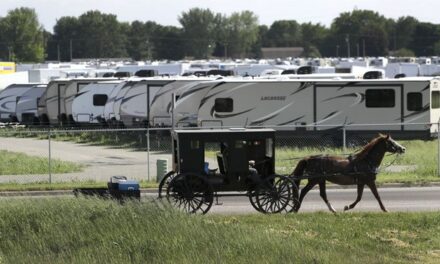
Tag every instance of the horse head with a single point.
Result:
(392, 146)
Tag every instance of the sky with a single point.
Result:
(166, 12)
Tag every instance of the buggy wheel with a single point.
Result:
(273, 194)
(253, 200)
(163, 185)
(293, 204)
(191, 193)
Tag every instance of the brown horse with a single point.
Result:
(360, 169)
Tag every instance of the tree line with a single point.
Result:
(205, 34)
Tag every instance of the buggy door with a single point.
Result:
(191, 155)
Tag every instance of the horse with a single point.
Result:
(358, 169)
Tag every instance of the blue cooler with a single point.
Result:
(128, 185)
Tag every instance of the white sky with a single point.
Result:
(166, 12)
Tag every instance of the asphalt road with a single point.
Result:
(395, 200)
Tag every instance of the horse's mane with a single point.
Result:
(366, 149)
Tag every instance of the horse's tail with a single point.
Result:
(299, 171)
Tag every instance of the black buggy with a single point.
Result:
(211, 163)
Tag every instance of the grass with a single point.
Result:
(13, 163)
(46, 186)
(96, 231)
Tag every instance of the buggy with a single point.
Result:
(211, 163)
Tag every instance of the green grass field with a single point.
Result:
(81, 230)
(13, 163)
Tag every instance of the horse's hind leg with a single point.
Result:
(323, 194)
(305, 190)
(373, 189)
(360, 191)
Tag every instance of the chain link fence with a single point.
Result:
(94, 155)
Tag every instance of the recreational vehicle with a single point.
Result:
(73, 89)
(135, 106)
(315, 105)
(8, 100)
(88, 105)
(161, 105)
(27, 105)
(55, 97)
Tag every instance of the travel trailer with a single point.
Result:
(161, 105)
(88, 105)
(56, 95)
(314, 105)
(27, 105)
(135, 106)
(73, 89)
(8, 100)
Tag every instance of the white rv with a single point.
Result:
(160, 109)
(306, 104)
(73, 89)
(8, 100)
(135, 105)
(88, 105)
(27, 105)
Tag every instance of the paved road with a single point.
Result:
(395, 199)
(100, 162)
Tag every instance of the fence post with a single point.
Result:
(438, 147)
(50, 158)
(344, 138)
(148, 153)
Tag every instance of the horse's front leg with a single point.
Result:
(323, 194)
(360, 191)
(304, 191)
(373, 189)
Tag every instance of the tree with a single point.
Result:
(424, 38)
(199, 27)
(241, 32)
(66, 30)
(22, 36)
(283, 33)
(142, 39)
(168, 43)
(313, 36)
(359, 27)
(404, 32)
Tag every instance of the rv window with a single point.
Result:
(99, 99)
(414, 102)
(224, 105)
(435, 104)
(380, 98)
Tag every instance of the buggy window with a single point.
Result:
(380, 98)
(224, 105)
(269, 147)
(99, 99)
(414, 102)
(195, 144)
(435, 104)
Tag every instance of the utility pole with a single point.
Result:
(357, 49)
(363, 46)
(58, 52)
(337, 51)
(71, 57)
(347, 39)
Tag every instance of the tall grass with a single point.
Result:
(96, 231)
(13, 163)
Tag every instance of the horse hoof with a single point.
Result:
(346, 208)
